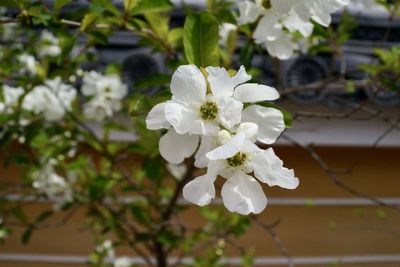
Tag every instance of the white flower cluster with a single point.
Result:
(51, 100)
(49, 45)
(53, 186)
(105, 93)
(107, 250)
(28, 64)
(215, 109)
(10, 97)
(279, 18)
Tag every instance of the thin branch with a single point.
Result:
(275, 238)
(334, 177)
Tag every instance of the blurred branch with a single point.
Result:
(333, 175)
(275, 238)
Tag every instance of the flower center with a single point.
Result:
(209, 111)
(238, 160)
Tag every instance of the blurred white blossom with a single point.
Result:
(51, 100)
(105, 94)
(279, 18)
(10, 96)
(55, 187)
(122, 262)
(48, 45)
(107, 249)
(28, 64)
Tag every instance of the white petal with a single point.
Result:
(229, 149)
(174, 147)
(206, 145)
(208, 128)
(229, 111)
(220, 82)
(293, 23)
(252, 92)
(180, 116)
(201, 190)
(283, 6)
(177, 170)
(241, 193)
(188, 84)
(268, 168)
(269, 120)
(268, 29)
(249, 12)
(156, 120)
(240, 77)
(250, 129)
(281, 48)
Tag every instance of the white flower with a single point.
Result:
(51, 100)
(48, 45)
(11, 96)
(122, 262)
(106, 248)
(235, 160)
(28, 63)
(105, 92)
(55, 187)
(277, 16)
(196, 109)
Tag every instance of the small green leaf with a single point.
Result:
(12, 3)
(175, 37)
(129, 5)
(200, 39)
(26, 236)
(58, 4)
(150, 6)
(107, 5)
(88, 20)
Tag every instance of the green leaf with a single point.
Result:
(26, 236)
(159, 24)
(200, 40)
(149, 6)
(12, 3)
(107, 5)
(129, 5)
(154, 168)
(246, 54)
(175, 37)
(58, 4)
(88, 20)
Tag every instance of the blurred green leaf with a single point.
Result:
(58, 4)
(26, 235)
(88, 20)
(129, 5)
(149, 6)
